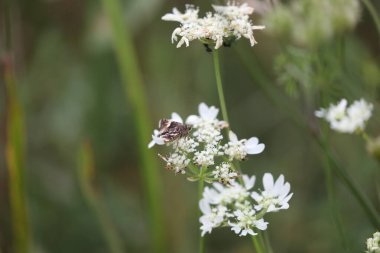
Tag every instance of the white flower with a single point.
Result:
(206, 114)
(177, 162)
(238, 149)
(275, 195)
(231, 206)
(206, 126)
(360, 112)
(224, 173)
(246, 221)
(227, 24)
(347, 120)
(233, 11)
(156, 139)
(211, 218)
(190, 15)
(373, 244)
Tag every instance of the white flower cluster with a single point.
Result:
(373, 244)
(203, 147)
(226, 24)
(347, 119)
(238, 207)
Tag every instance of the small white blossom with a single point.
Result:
(207, 115)
(204, 158)
(190, 15)
(177, 162)
(224, 173)
(156, 139)
(239, 149)
(347, 119)
(212, 217)
(373, 244)
(233, 11)
(246, 220)
(275, 195)
(228, 23)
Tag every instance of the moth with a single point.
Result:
(171, 130)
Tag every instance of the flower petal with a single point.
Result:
(192, 120)
(268, 181)
(232, 136)
(204, 206)
(252, 147)
(176, 117)
(249, 182)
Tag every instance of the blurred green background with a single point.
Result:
(68, 81)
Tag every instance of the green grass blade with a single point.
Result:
(15, 158)
(133, 87)
(86, 175)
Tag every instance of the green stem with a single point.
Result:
(373, 13)
(135, 94)
(332, 200)
(219, 85)
(349, 183)
(257, 244)
(200, 192)
(267, 242)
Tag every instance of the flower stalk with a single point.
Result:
(219, 85)
(200, 192)
(257, 244)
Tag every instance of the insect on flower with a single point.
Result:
(170, 130)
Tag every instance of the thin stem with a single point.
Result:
(332, 200)
(219, 85)
(257, 244)
(267, 242)
(349, 183)
(200, 192)
(135, 95)
(373, 13)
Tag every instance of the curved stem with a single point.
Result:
(360, 197)
(373, 13)
(219, 85)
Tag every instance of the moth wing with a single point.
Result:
(163, 123)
